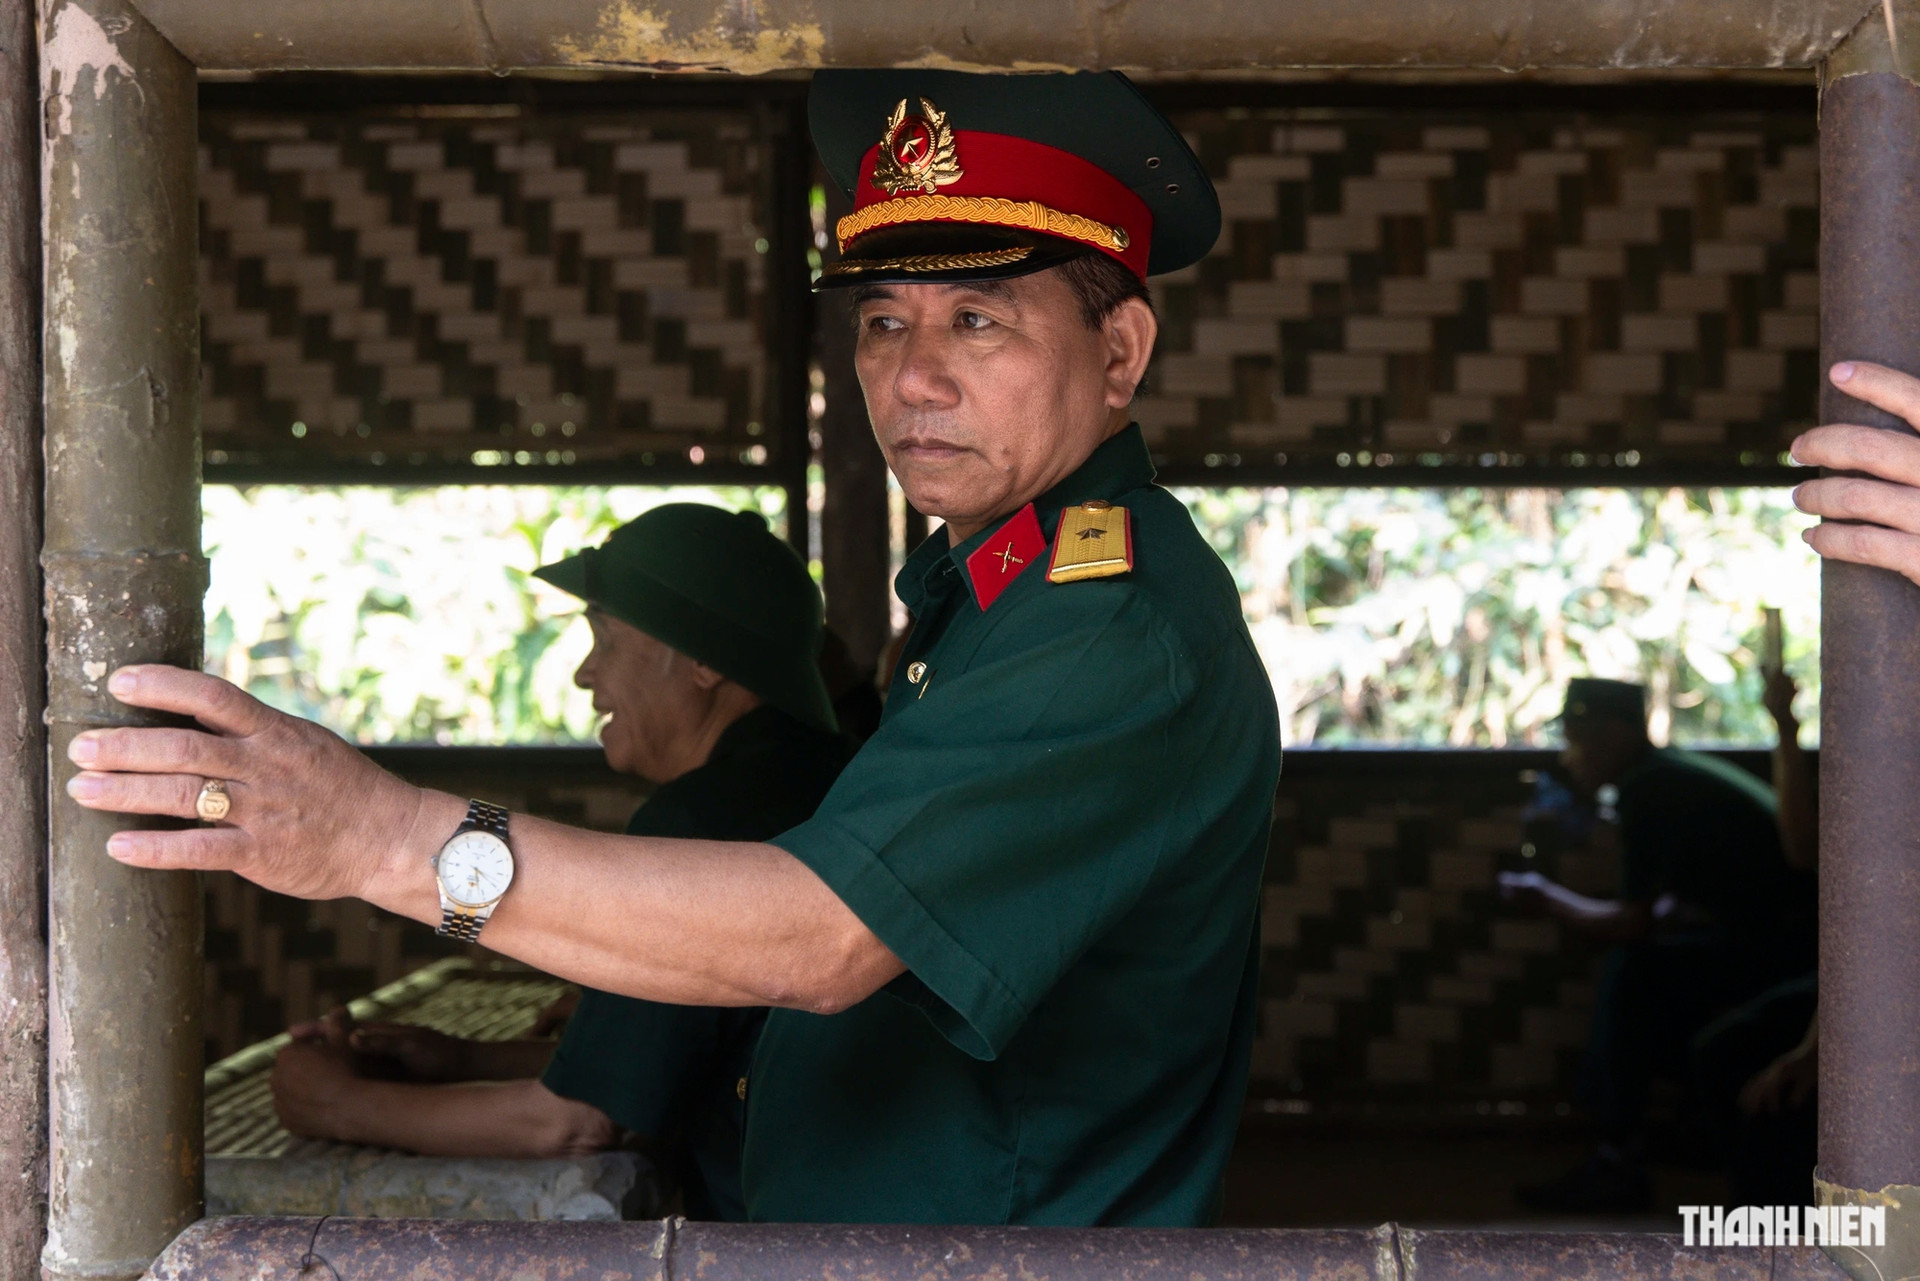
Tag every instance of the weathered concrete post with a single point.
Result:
(124, 581)
(23, 771)
(1870, 672)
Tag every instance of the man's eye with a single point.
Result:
(884, 324)
(972, 320)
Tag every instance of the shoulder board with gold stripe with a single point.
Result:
(1094, 540)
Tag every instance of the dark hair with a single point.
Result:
(1101, 284)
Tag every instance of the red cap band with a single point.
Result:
(1013, 182)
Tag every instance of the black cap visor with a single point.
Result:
(946, 253)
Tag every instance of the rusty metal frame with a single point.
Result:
(370, 1250)
(124, 584)
(124, 579)
(23, 681)
(795, 35)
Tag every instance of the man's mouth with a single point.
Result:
(928, 447)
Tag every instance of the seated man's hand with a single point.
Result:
(426, 1055)
(309, 815)
(1525, 890)
(553, 1020)
(1777, 693)
(1886, 500)
(313, 1080)
(1786, 1082)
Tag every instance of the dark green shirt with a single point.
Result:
(1059, 828)
(673, 1071)
(1708, 833)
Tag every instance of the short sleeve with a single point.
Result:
(995, 827)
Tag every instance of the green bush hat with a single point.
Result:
(720, 588)
(1590, 699)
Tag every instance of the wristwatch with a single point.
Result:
(473, 869)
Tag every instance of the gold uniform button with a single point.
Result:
(916, 672)
(1096, 505)
(740, 1088)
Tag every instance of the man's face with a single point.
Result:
(654, 698)
(984, 396)
(1598, 752)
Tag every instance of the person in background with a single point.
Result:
(1709, 914)
(1755, 1067)
(705, 633)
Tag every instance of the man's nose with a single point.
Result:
(923, 379)
(583, 674)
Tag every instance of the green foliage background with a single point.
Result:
(1456, 617)
(396, 615)
(1408, 616)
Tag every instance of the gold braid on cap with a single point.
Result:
(928, 262)
(1028, 215)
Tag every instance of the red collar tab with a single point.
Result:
(1008, 553)
(923, 170)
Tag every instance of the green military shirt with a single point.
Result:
(1708, 833)
(1059, 828)
(673, 1071)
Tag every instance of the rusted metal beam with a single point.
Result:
(124, 581)
(1204, 35)
(390, 1250)
(1870, 673)
(23, 680)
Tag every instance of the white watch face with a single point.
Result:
(475, 868)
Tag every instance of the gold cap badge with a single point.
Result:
(916, 152)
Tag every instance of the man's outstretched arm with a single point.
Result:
(689, 922)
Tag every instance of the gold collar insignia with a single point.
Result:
(916, 152)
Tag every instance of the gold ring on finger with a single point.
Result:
(213, 802)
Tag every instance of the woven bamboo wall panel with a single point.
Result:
(543, 290)
(1495, 290)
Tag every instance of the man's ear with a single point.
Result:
(705, 677)
(1130, 333)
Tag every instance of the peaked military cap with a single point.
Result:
(958, 176)
(1590, 698)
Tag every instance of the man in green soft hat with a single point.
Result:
(705, 628)
(1013, 956)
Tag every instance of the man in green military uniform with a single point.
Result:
(734, 729)
(1013, 955)
(1710, 913)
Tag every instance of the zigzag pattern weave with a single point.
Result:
(1531, 287)
(1028, 215)
(556, 289)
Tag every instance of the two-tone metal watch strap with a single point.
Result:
(456, 924)
(484, 816)
(459, 923)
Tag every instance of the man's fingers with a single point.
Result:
(1890, 455)
(1851, 498)
(202, 849)
(159, 751)
(217, 704)
(1868, 545)
(1883, 388)
(170, 795)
